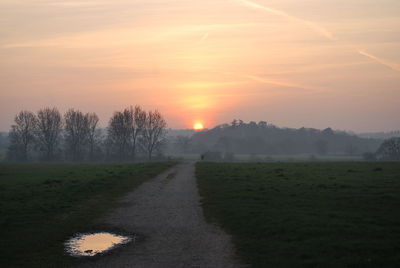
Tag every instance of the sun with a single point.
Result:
(198, 126)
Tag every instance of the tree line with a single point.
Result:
(224, 141)
(261, 138)
(132, 134)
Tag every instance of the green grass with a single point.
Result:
(306, 214)
(41, 205)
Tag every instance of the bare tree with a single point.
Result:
(119, 133)
(22, 135)
(49, 127)
(138, 124)
(92, 121)
(389, 150)
(124, 131)
(76, 133)
(153, 132)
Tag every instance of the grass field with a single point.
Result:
(306, 214)
(43, 204)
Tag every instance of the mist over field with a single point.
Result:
(250, 141)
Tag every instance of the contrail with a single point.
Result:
(315, 27)
(389, 64)
(264, 80)
(318, 29)
(204, 37)
(275, 82)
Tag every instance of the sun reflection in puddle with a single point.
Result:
(94, 243)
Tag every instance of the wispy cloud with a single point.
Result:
(315, 27)
(277, 82)
(391, 65)
(318, 29)
(74, 4)
(204, 37)
(267, 80)
(123, 35)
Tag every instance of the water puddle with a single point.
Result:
(91, 244)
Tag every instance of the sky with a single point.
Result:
(293, 63)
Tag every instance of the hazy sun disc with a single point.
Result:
(198, 126)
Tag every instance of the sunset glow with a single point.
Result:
(198, 126)
(278, 60)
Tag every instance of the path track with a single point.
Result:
(166, 213)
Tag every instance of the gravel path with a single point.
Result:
(165, 212)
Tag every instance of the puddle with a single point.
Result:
(91, 244)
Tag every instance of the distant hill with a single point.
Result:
(380, 135)
(180, 132)
(264, 138)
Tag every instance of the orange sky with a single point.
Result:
(314, 63)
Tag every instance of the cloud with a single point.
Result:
(125, 36)
(318, 29)
(204, 37)
(75, 4)
(276, 82)
(315, 27)
(391, 65)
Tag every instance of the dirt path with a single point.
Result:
(165, 212)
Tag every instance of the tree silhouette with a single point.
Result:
(48, 134)
(138, 124)
(76, 133)
(154, 132)
(22, 135)
(92, 121)
(389, 150)
(119, 133)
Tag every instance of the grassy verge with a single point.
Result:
(43, 204)
(306, 214)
